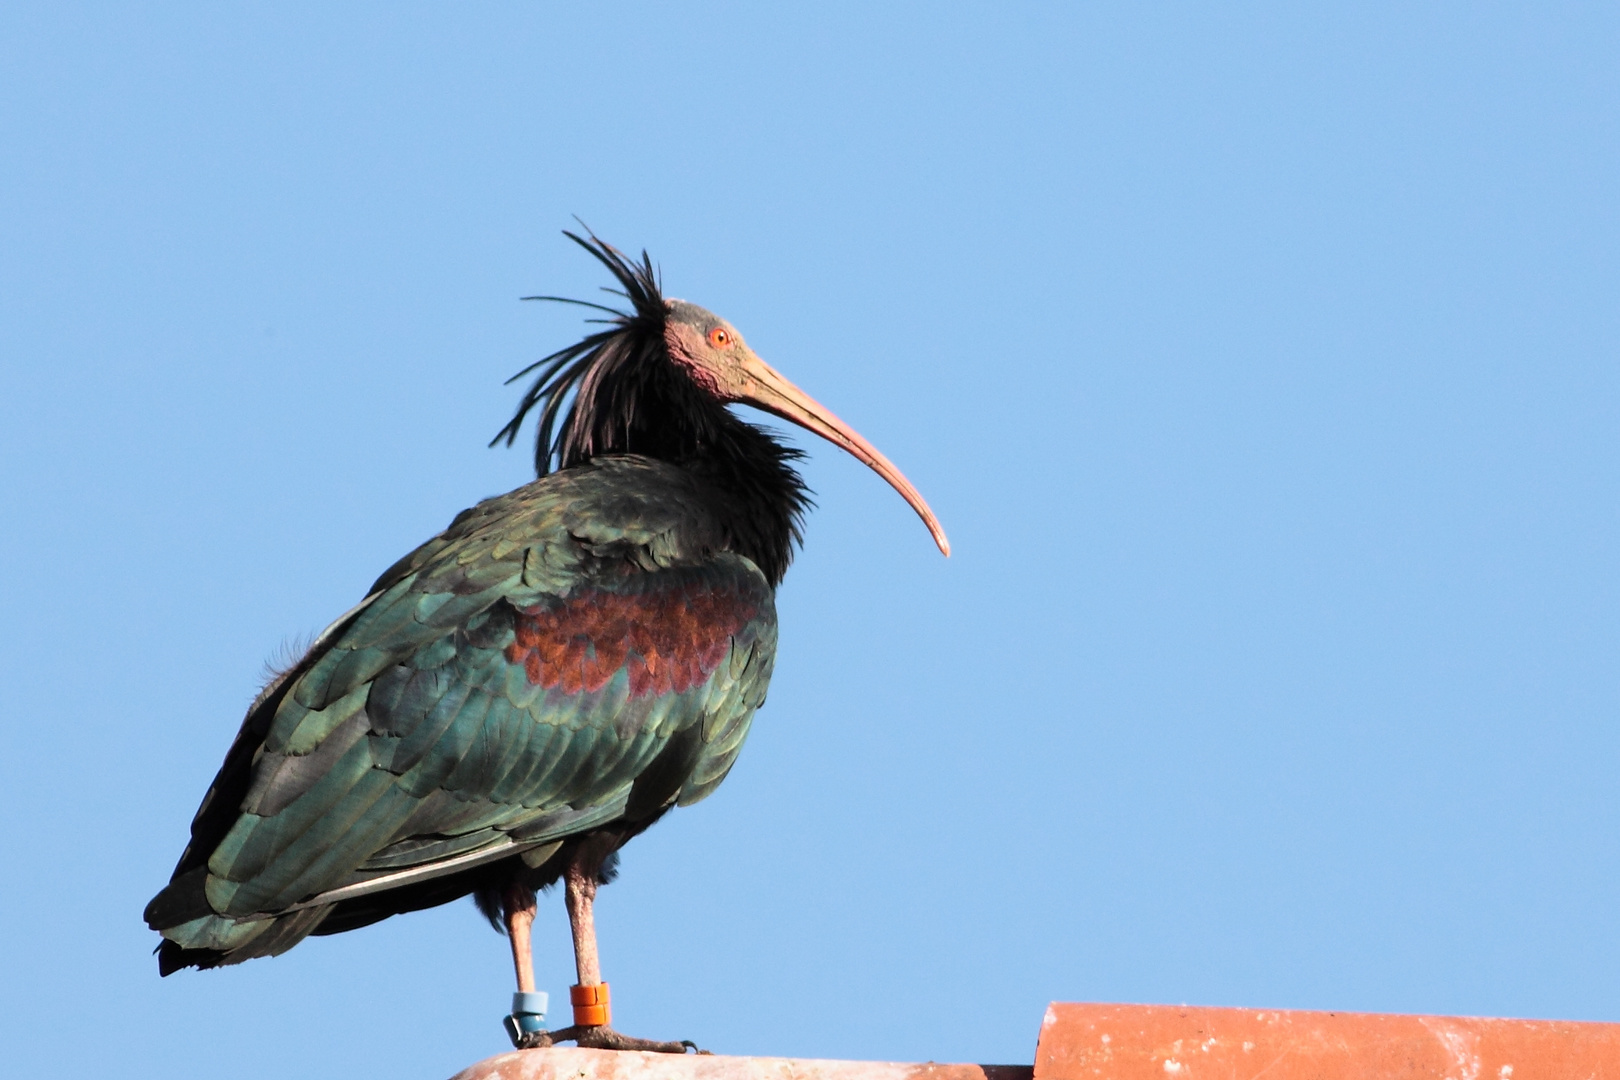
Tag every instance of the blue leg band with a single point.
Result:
(528, 1015)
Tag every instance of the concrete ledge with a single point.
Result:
(1165, 1042)
(566, 1063)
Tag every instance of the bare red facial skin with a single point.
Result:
(686, 345)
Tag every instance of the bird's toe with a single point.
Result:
(605, 1038)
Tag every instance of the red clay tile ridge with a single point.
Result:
(1167, 1042)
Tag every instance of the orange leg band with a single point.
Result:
(592, 1007)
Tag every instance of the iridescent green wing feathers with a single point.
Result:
(579, 651)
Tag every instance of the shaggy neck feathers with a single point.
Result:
(619, 392)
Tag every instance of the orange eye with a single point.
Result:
(719, 338)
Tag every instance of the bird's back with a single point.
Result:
(581, 653)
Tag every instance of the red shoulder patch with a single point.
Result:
(668, 641)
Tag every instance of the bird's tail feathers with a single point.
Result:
(217, 940)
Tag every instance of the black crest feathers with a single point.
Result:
(633, 338)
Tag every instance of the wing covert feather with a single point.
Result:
(507, 683)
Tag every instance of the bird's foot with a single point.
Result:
(526, 1027)
(602, 1037)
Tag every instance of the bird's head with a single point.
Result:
(667, 352)
(715, 356)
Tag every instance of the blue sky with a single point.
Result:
(1259, 358)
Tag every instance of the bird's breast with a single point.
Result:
(665, 640)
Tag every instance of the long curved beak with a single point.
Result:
(765, 388)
